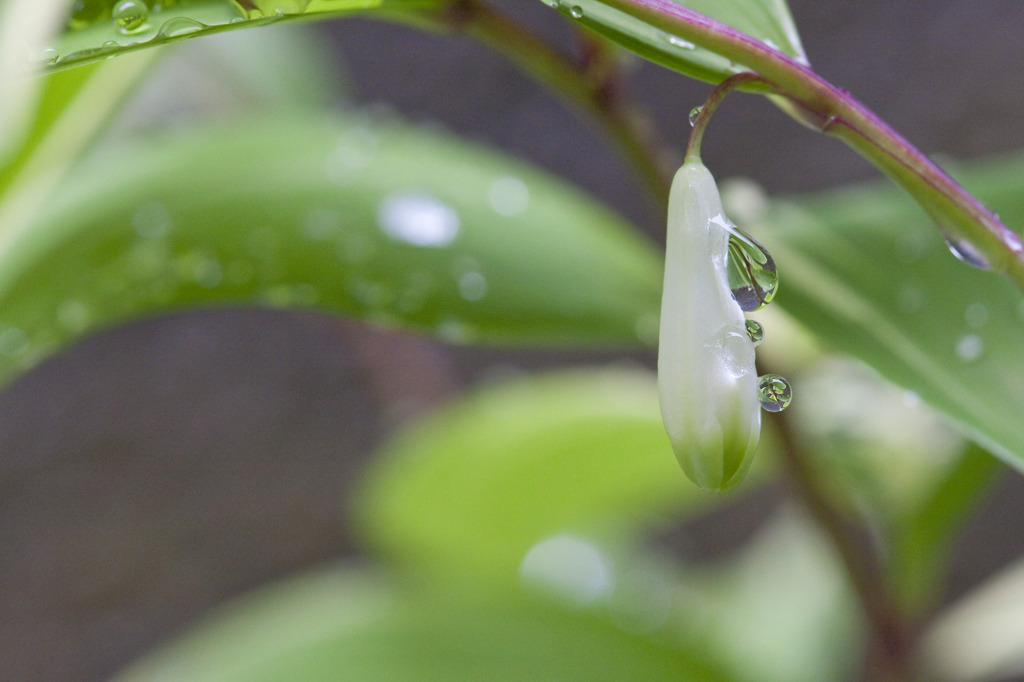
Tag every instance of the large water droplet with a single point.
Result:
(970, 347)
(576, 11)
(509, 196)
(130, 15)
(753, 276)
(472, 286)
(571, 567)
(755, 331)
(694, 113)
(976, 315)
(50, 56)
(967, 253)
(418, 219)
(774, 392)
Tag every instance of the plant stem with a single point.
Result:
(891, 636)
(592, 86)
(818, 103)
(707, 110)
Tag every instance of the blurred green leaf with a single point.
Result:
(384, 222)
(980, 636)
(766, 20)
(344, 625)
(475, 487)
(781, 610)
(863, 270)
(923, 539)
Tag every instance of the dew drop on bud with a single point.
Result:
(774, 392)
(694, 113)
(755, 332)
(576, 11)
(753, 277)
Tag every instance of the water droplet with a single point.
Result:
(694, 113)
(13, 342)
(576, 11)
(321, 224)
(472, 286)
(130, 16)
(679, 42)
(151, 221)
(970, 347)
(753, 276)
(50, 56)
(911, 299)
(418, 219)
(774, 392)
(967, 253)
(179, 26)
(771, 43)
(455, 331)
(976, 315)
(73, 315)
(208, 273)
(280, 7)
(355, 151)
(553, 4)
(755, 331)
(571, 567)
(509, 196)
(1012, 240)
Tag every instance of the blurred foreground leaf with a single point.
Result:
(472, 489)
(345, 625)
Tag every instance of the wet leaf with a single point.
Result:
(346, 624)
(384, 222)
(766, 20)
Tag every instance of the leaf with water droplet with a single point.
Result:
(849, 282)
(765, 20)
(131, 233)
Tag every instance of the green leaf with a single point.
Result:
(474, 487)
(863, 270)
(923, 539)
(95, 31)
(385, 222)
(766, 20)
(343, 624)
(781, 610)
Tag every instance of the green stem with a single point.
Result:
(592, 86)
(833, 111)
(707, 110)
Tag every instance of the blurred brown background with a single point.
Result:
(155, 470)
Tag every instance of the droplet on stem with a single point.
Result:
(694, 113)
(774, 392)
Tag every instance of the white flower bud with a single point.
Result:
(706, 376)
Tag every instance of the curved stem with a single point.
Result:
(707, 110)
(593, 85)
(833, 111)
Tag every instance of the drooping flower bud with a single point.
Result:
(707, 381)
